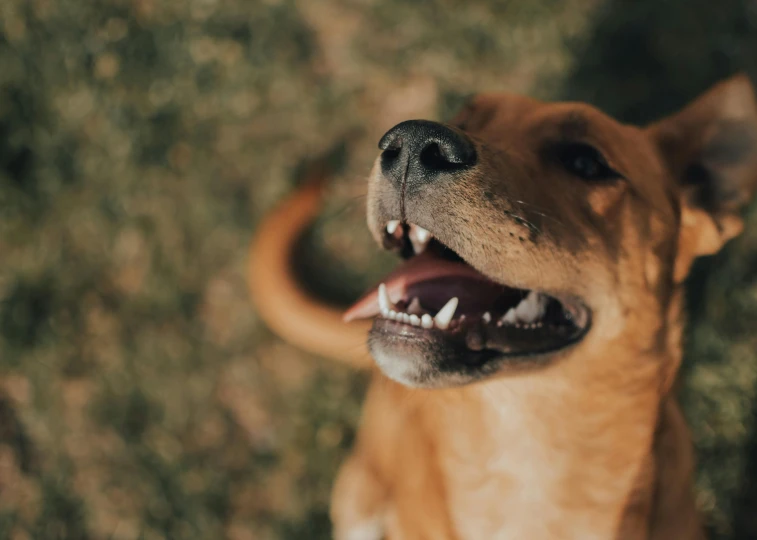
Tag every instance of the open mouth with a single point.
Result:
(435, 296)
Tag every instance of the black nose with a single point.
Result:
(419, 152)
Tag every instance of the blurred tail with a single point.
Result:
(282, 303)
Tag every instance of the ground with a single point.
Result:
(140, 143)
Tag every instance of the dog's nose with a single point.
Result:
(420, 151)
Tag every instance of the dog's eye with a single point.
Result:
(585, 161)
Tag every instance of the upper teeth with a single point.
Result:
(420, 238)
(531, 308)
(509, 317)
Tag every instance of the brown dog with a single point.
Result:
(529, 345)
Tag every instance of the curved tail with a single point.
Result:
(286, 308)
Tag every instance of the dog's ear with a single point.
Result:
(711, 149)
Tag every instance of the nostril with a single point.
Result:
(389, 157)
(432, 158)
(391, 153)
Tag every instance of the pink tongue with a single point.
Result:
(420, 268)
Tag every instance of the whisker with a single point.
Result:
(537, 212)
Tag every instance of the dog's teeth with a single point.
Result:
(415, 307)
(427, 321)
(418, 247)
(420, 238)
(422, 234)
(406, 318)
(486, 317)
(508, 318)
(531, 307)
(392, 225)
(383, 298)
(445, 314)
(393, 315)
(415, 320)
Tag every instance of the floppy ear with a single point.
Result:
(711, 149)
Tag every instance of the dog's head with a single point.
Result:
(534, 231)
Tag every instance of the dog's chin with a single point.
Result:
(421, 358)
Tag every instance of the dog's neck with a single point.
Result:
(576, 440)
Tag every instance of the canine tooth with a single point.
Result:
(385, 313)
(531, 307)
(422, 234)
(419, 237)
(392, 225)
(415, 320)
(486, 317)
(445, 314)
(508, 317)
(415, 307)
(383, 298)
(427, 321)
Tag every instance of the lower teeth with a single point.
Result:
(426, 321)
(532, 306)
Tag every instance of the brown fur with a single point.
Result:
(592, 444)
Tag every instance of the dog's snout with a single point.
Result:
(420, 151)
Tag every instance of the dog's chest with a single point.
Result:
(506, 476)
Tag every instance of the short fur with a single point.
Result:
(592, 444)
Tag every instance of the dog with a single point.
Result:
(527, 348)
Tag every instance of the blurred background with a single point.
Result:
(140, 143)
